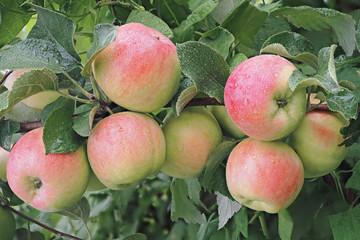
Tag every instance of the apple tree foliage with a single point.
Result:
(60, 38)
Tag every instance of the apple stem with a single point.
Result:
(95, 88)
(338, 184)
(263, 225)
(58, 233)
(256, 215)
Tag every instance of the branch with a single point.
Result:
(5, 76)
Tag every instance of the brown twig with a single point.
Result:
(5, 76)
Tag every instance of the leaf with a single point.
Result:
(49, 44)
(221, 42)
(194, 189)
(181, 206)
(320, 19)
(12, 19)
(244, 22)
(226, 208)
(291, 45)
(223, 9)
(79, 211)
(5, 190)
(61, 102)
(242, 223)
(7, 129)
(28, 84)
(83, 122)
(286, 225)
(150, 20)
(236, 60)
(345, 102)
(136, 236)
(351, 133)
(354, 180)
(345, 225)
(104, 34)
(205, 67)
(184, 98)
(58, 135)
(99, 203)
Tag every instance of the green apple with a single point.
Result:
(51, 182)
(226, 123)
(7, 224)
(125, 148)
(317, 140)
(190, 139)
(4, 155)
(264, 176)
(258, 98)
(94, 183)
(140, 70)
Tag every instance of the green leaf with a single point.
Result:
(185, 97)
(345, 225)
(104, 34)
(220, 40)
(205, 67)
(291, 45)
(320, 19)
(61, 102)
(28, 84)
(12, 19)
(242, 222)
(21, 113)
(49, 44)
(244, 22)
(182, 206)
(150, 20)
(354, 180)
(194, 189)
(226, 208)
(58, 135)
(345, 102)
(83, 122)
(223, 9)
(351, 133)
(7, 129)
(286, 225)
(5, 190)
(79, 211)
(136, 236)
(236, 60)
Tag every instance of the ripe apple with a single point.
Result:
(125, 148)
(190, 139)
(7, 224)
(259, 100)
(316, 142)
(226, 123)
(140, 70)
(264, 176)
(50, 182)
(4, 155)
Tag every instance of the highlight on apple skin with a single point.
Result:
(258, 98)
(125, 148)
(190, 139)
(140, 70)
(264, 176)
(51, 182)
(317, 140)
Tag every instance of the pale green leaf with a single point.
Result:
(185, 97)
(226, 208)
(286, 225)
(79, 211)
(345, 102)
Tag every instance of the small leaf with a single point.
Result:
(345, 225)
(221, 42)
(351, 133)
(291, 45)
(7, 129)
(345, 102)
(354, 180)
(236, 60)
(286, 225)
(205, 67)
(136, 236)
(79, 211)
(226, 208)
(150, 20)
(242, 222)
(61, 102)
(83, 122)
(184, 98)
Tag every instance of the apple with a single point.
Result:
(4, 155)
(226, 123)
(264, 176)
(316, 142)
(140, 70)
(94, 183)
(125, 148)
(258, 98)
(7, 224)
(51, 182)
(190, 139)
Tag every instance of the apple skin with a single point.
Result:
(4, 155)
(190, 139)
(50, 182)
(226, 123)
(94, 183)
(253, 93)
(264, 176)
(316, 142)
(37, 101)
(125, 148)
(140, 70)
(7, 224)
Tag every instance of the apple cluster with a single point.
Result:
(286, 144)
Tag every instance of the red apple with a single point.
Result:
(264, 176)
(190, 139)
(4, 155)
(140, 70)
(259, 100)
(7, 224)
(125, 148)
(50, 182)
(316, 142)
